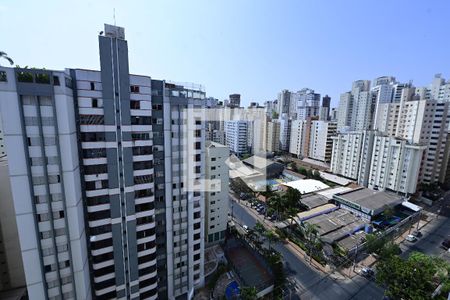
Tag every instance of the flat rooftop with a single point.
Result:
(306, 186)
(335, 178)
(332, 221)
(329, 193)
(367, 199)
(313, 201)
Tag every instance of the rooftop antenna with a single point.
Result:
(114, 16)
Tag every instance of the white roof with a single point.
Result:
(330, 192)
(411, 206)
(306, 186)
(334, 178)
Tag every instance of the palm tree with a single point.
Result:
(260, 229)
(274, 202)
(291, 214)
(5, 56)
(311, 235)
(271, 237)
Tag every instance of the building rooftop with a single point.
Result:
(329, 193)
(334, 178)
(369, 201)
(306, 186)
(258, 162)
(313, 201)
(214, 144)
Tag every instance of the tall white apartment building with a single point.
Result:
(344, 111)
(298, 138)
(420, 119)
(347, 153)
(285, 132)
(40, 134)
(284, 102)
(216, 195)
(394, 165)
(107, 177)
(356, 107)
(320, 141)
(362, 106)
(273, 136)
(307, 104)
(377, 161)
(236, 136)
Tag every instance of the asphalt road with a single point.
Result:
(434, 233)
(310, 283)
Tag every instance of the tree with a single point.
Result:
(271, 237)
(302, 171)
(292, 197)
(388, 212)
(414, 278)
(260, 229)
(249, 293)
(374, 243)
(5, 56)
(267, 192)
(316, 174)
(311, 234)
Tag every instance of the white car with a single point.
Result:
(411, 238)
(245, 228)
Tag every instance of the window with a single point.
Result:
(92, 86)
(197, 145)
(3, 76)
(94, 102)
(134, 89)
(56, 80)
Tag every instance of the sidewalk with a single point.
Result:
(299, 252)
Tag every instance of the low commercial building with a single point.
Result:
(307, 186)
(270, 168)
(367, 203)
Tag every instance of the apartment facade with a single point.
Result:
(394, 165)
(236, 132)
(273, 136)
(107, 171)
(321, 142)
(356, 107)
(377, 161)
(216, 196)
(307, 104)
(39, 126)
(285, 132)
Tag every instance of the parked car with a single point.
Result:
(446, 244)
(273, 217)
(411, 238)
(245, 227)
(417, 234)
(367, 272)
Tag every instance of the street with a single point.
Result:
(434, 232)
(310, 283)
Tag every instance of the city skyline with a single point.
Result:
(260, 40)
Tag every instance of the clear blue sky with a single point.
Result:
(255, 48)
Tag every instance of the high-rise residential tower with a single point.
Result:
(107, 179)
